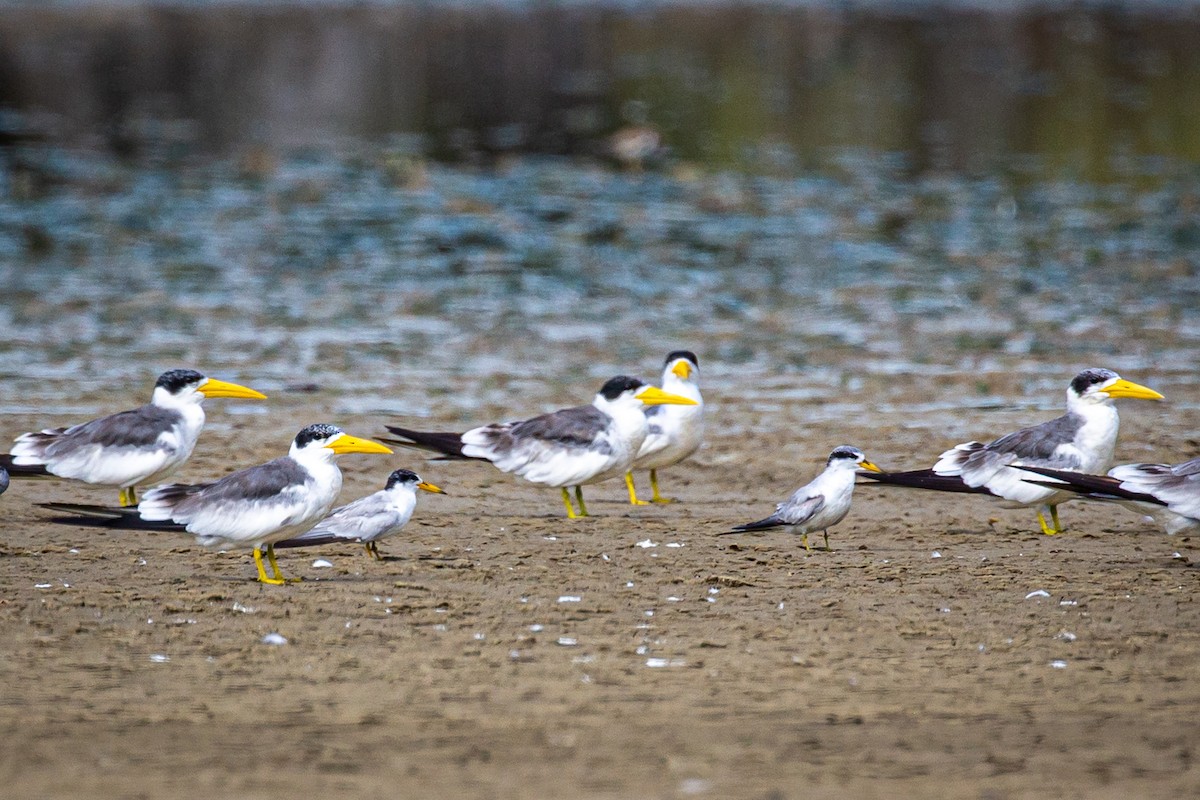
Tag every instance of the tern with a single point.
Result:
(1082, 440)
(253, 507)
(1168, 493)
(133, 448)
(820, 504)
(369, 519)
(570, 447)
(673, 432)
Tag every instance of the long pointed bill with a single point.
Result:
(429, 487)
(1124, 388)
(352, 444)
(867, 465)
(653, 396)
(682, 369)
(215, 388)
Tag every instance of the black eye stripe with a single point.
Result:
(315, 432)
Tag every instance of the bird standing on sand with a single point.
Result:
(369, 519)
(819, 504)
(133, 448)
(674, 432)
(571, 447)
(1082, 440)
(253, 507)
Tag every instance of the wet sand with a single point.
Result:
(911, 661)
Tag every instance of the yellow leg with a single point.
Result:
(567, 502)
(633, 492)
(657, 498)
(128, 497)
(828, 549)
(373, 551)
(262, 572)
(579, 498)
(1054, 516)
(804, 541)
(1046, 529)
(275, 567)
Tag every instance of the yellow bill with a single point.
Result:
(682, 369)
(1124, 388)
(867, 465)
(215, 388)
(653, 396)
(352, 444)
(429, 487)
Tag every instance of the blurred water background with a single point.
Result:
(440, 203)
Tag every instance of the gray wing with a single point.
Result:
(259, 483)
(1040, 443)
(365, 518)
(139, 427)
(263, 482)
(1176, 486)
(795, 511)
(1187, 468)
(571, 427)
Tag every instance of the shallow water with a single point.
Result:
(498, 292)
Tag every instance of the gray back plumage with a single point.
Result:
(139, 427)
(264, 482)
(1038, 442)
(570, 427)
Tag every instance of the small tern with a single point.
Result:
(368, 519)
(253, 507)
(570, 447)
(1082, 440)
(133, 448)
(820, 504)
(673, 432)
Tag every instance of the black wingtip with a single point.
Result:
(111, 517)
(759, 525)
(447, 443)
(315, 541)
(22, 470)
(924, 479)
(1100, 487)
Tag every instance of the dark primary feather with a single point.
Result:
(22, 470)
(138, 427)
(773, 521)
(311, 541)
(447, 443)
(106, 517)
(1091, 485)
(925, 479)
